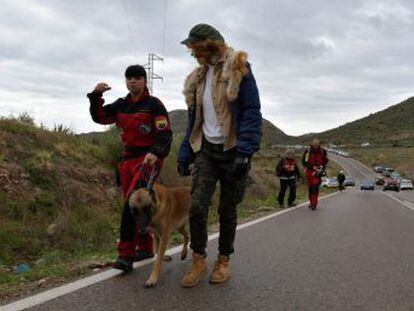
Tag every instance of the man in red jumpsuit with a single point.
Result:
(146, 140)
(314, 161)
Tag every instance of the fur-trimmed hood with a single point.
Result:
(234, 69)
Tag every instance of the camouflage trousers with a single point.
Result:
(211, 165)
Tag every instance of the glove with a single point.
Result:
(240, 166)
(320, 173)
(183, 169)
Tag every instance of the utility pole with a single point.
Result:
(150, 69)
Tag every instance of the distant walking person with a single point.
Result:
(287, 170)
(314, 161)
(341, 179)
(146, 140)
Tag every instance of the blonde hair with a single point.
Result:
(212, 47)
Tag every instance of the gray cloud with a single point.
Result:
(317, 63)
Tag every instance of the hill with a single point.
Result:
(393, 126)
(271, 134)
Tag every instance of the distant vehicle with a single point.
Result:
(379, 169)
(395, 175)
(391, 184)
(380, 181)
(329, 182)
(388, 171)
(349, 182)
(367, 185)
(406, 184)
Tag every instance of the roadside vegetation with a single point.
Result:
(60, 209)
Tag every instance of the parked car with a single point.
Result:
(406, 184)
(395, 175)
(380, 181)
(330, 182)
(391, 184)
(367, 185)
(379, 169)
(388, 171)
(349, 182)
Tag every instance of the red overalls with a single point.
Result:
(145, 128)
(314, 158)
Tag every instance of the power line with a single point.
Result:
(164, 31)
(131, 36)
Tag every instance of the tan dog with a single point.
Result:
(166, 210)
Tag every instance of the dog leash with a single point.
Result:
(149, 178)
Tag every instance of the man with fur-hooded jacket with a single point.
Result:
(223, 133)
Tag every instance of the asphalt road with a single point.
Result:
(356, 252)
(361, 172)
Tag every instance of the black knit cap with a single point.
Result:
(201, 32)
(135, 71)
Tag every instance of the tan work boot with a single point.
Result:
(221, 272)
(197, 271)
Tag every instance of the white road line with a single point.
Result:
(404, 203)
(409, 203)
(53, 293)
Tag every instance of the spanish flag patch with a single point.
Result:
(161, 123)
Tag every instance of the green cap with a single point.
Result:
(202, 32)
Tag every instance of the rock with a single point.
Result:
(42, 282)
(111, 192)
(39, 261)
(96, 270)
(52, 229)
(24, 175)
(99, 264)
(264, 209)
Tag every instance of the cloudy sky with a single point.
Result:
(318, 63)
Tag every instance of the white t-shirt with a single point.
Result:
(211, 128)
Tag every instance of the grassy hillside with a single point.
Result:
(59, 207)
(393, 126)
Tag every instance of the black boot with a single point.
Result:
(124, 264)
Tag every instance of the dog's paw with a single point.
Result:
(150, 283)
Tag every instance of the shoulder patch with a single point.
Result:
(161, 123)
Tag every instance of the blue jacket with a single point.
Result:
(246, 109)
